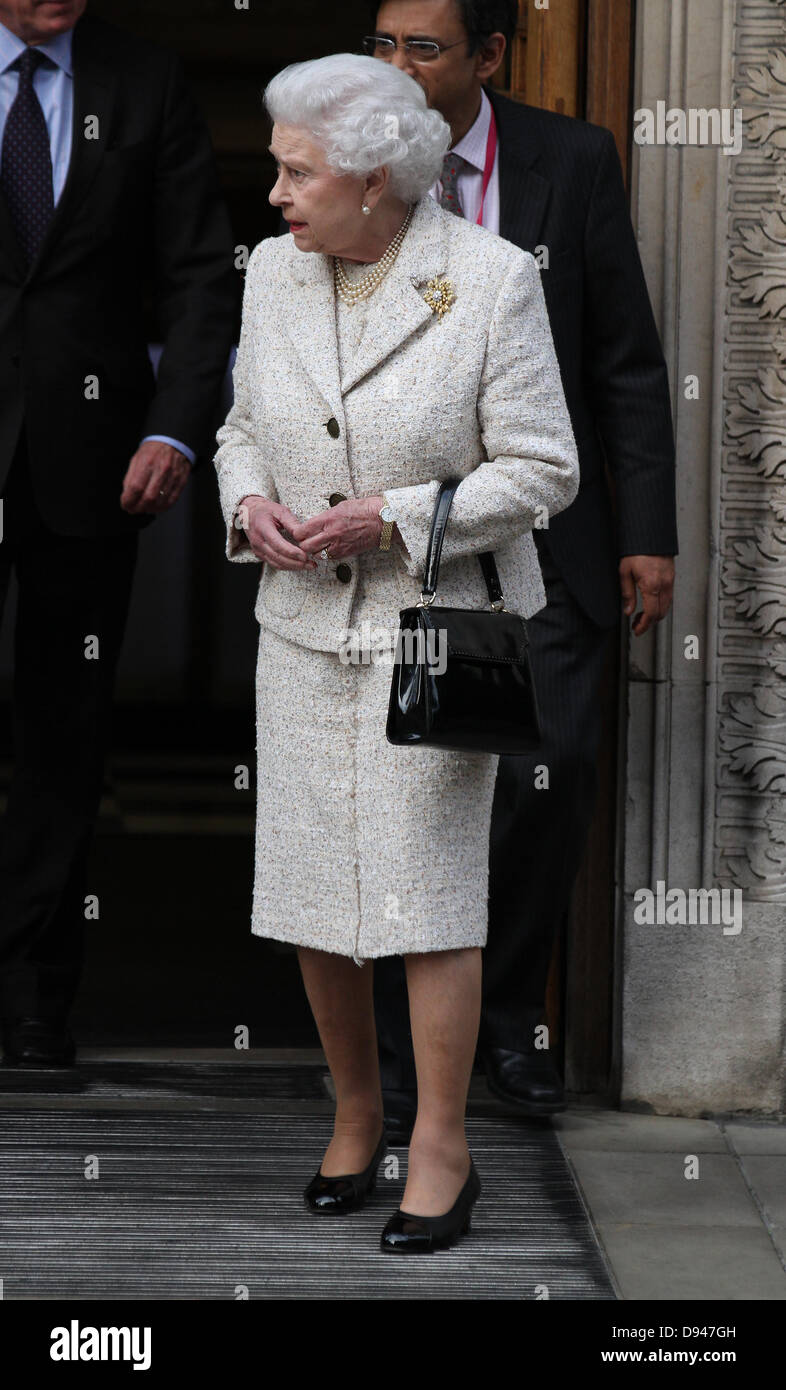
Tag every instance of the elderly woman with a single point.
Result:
(385, 346)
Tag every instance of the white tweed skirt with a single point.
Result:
(363, 849)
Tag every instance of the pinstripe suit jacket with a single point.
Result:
(561, 188)
(476, 393)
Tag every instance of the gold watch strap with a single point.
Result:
(387, 528)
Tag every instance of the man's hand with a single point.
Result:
(654, 575)
(155, 478)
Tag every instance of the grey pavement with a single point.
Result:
(683, 1208)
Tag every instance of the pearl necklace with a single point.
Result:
(353, 290)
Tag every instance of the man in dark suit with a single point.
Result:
(107, 189)
(556, 184)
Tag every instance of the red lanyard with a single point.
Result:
(491, 150)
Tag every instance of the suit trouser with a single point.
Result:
(536, 842)
(70, 590)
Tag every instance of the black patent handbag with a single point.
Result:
(462, 677)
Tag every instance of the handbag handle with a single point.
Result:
(439, 521)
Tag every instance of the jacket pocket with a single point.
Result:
(139, 149)
(283, 592)
(565, 262)
(127, 372)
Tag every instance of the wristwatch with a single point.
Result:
(388, 522)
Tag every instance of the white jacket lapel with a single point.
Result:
(396, 309)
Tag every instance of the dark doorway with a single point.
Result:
(170, 959)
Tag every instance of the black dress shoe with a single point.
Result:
(527, 1080)
(346, 1192)
(400, 1111)
(32, 1041)
(407, 1234)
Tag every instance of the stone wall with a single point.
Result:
(701, 1023)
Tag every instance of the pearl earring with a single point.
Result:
(366, 209)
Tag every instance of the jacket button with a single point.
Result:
(333, 428)
(335, 498)
(343, 572)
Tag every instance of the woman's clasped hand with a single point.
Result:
(281, 539)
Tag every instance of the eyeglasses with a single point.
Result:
(419, 50)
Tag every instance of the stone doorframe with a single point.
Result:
(699, 1024)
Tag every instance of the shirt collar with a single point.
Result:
(472, 146)
(58, 49)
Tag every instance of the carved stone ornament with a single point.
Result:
(750, 826)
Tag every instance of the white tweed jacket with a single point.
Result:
(475, 393)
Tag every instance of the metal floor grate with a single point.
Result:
(197, 1203)
(243, 1079)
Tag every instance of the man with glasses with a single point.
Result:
(547, 183)
(420, 50)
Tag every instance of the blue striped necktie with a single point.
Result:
(26, 169)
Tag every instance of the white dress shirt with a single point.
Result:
(472, 147)
(54, 87)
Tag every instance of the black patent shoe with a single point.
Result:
(406, 1234)
(347, 1191)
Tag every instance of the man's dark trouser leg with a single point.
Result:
(394, 1037)
(538, 837)
(536, 843)
(71, 589)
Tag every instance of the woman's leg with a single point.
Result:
(444, 1007)
(341, 997)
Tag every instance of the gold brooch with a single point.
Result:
(439, 295)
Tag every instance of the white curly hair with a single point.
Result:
(364, 113)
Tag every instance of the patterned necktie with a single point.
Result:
(452, 166)
(26, 169)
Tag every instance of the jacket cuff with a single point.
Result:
(413, 509)
(237, 546)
